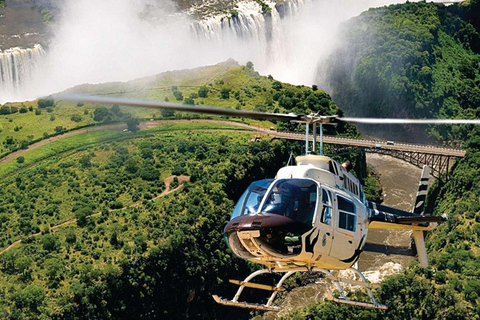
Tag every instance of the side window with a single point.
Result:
(327, 207)
(347, 214)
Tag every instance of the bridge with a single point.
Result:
(439, 159)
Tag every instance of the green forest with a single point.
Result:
(129, 254)
(413, 60)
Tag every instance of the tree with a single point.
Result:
(149, 173)
(203, 92)
(178, 95)
(225, 93)
(250, 65)
(131, 165)
(70, 237)
(167, 113)
(85, 161)
(30, 297)
(133, 124)
(82, 214)
(50, 243)
(102, 114)
(5, 109)
(21, 159)
(76, 118)
(189, 101)
(277, 85)
(44, 103)
(54, 270)
(116, 110)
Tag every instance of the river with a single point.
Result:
(400, 182)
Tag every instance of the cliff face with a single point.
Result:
(413, 60)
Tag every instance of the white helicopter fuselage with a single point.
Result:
(318, 201)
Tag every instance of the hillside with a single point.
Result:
(415, 60)
(140, 254)
(225, 85)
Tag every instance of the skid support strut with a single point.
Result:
(246, 283)
(363, 282)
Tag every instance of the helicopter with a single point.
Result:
(312, 216)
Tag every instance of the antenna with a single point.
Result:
(290, 159)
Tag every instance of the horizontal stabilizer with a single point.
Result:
(421, 219)
(384, 217)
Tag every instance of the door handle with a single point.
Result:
(350, 241)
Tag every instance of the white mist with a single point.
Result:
(111, 40)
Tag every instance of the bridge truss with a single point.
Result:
(440, 159)
(440, 164)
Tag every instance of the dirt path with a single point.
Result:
(181, 179)
(120, 127)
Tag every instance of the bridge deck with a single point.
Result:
(373, 144)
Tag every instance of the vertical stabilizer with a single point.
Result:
(419, 206)
(421, 250)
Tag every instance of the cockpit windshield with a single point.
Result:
(250, 201)
(293, 198)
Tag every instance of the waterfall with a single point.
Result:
(249, 33)
(246, 21)
(16, 67)
(288, 40)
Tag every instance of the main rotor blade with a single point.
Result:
(407, 121)
(179, 107)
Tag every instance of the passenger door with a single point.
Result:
(344, 225)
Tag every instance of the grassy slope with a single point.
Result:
(90, 138)
(248, 90)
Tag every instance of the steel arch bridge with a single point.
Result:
(440, 159)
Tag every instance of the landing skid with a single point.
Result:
(288, 272)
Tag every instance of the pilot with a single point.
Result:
(255, 207)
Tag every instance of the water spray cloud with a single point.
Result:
(109, 40)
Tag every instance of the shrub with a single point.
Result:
(76, 118)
